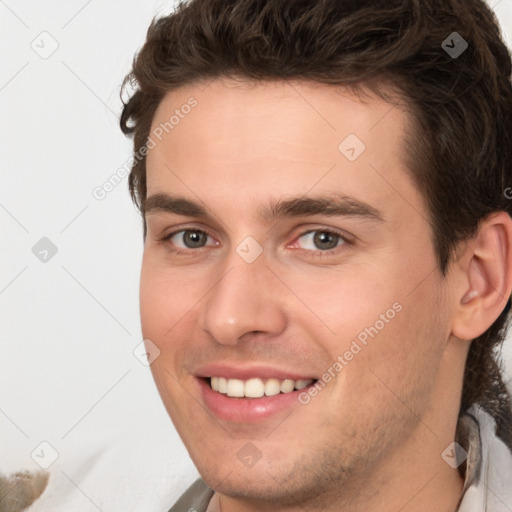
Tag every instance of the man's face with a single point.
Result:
(271, 284)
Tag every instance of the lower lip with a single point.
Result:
(247, 410)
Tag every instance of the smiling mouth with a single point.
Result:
(256, 388)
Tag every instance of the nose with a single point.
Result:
(244, 299)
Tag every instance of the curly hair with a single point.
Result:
(459, 151)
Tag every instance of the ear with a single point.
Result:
(486, 280)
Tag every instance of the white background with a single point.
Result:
(68, 326)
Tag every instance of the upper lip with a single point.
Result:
(245, 372)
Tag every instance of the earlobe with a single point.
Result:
(487, 278)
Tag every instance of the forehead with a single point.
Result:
(252, 140)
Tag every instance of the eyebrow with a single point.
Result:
(334, 206)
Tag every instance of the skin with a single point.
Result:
(372, 438)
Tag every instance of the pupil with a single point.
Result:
(194, 239)
(326, 240)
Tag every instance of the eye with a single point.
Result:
(321, 239)
(188, 238)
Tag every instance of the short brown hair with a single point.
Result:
(460, 150)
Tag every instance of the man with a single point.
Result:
(328, 250)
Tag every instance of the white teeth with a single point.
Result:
(256, 388)
(272, 387)
(287, 386)
(301, 384)
(235, 388)
(223, 385)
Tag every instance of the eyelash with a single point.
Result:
(317, 253)
(313, 253)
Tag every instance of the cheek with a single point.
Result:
(386, 335)
(396, 365)
(163, 312)
(343, 304)
(156, 305)
(405, 355)
(170, 300)
(165, 297)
